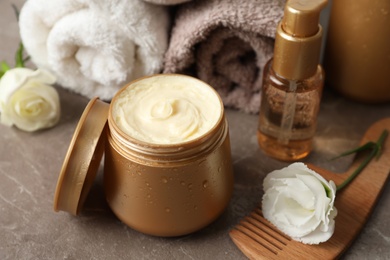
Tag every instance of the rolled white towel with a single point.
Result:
(95, 46)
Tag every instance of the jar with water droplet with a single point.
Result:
(166, 166)
(159, 155)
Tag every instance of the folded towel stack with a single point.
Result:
(225, 43)
(94, 46)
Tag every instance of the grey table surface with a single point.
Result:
(30, 164)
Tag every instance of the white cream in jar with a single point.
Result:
(167, 109)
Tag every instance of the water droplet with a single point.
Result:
(148, 196)
(139, 173)
(147, 184)
(189, 186)
(183, 183)
(205, 184)
(164, 180)
(219, 169)
(167, 210)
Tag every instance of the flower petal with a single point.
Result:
(15, 78)
(299, 202)
(11, 81)
(320, 234)
(32, 111)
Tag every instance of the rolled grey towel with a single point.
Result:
(226, 44)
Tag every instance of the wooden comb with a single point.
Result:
(257, 238)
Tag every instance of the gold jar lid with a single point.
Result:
(83, 158)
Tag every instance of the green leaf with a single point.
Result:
(16, 11)
(366, 146)
(327, 190)
(375, 151)
(4, 66)
(380, 142)
(19, 60)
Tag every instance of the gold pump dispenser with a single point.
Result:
(298, 39)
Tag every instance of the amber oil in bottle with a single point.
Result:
(283, 135)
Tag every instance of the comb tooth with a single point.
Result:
(268, 227)
(249, 247)
(266, 232)
(261, 237)
(258, 238)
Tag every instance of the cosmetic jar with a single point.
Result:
(163, 187)
(357, 53)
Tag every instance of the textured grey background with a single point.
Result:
(30, 163)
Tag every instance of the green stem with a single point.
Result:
(376, 150)
(364, 147)
(19, 60)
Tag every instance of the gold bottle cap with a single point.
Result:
(298, 39)
(82, 159)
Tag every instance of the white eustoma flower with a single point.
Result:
(27, 100)
(300, 203)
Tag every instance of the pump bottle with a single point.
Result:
(292, 83)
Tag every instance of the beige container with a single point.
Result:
(357, 54)
(163, 190)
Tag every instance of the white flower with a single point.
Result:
(27, 100)
(299, 202)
